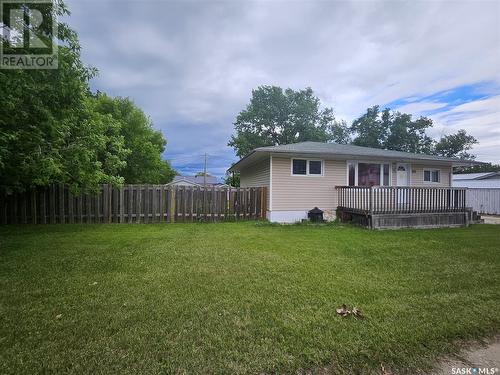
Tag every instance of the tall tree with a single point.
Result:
(53, 130)
(392, 130)
(371, 129)
(48, 132)
(144, 144)
(408, 135)
(275, 116)
(456, 145)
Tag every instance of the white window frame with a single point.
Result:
(430, 170)
(356, 162)
(307, 168)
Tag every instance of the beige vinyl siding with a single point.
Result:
(417, 175)
(417, 178)
(255, 175)
(305, 192)
(297, 193)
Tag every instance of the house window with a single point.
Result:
(368, 174)
(304, 167)
(299, 166)
(352, 174)
(315, 167)
(385, 172)
(432, 175)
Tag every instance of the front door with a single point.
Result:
(402, 179)
(403, 175)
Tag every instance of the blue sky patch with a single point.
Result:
(450, 98)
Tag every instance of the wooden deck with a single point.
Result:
(403, 207)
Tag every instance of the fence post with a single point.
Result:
(172, 204)
(61, 204)
(33, 206)
(109, 202)
(263, 203)
(122, 205)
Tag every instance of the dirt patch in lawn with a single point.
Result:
(479, 359)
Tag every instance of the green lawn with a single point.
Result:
(241, 297)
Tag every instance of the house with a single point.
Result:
(198, 181)
(351, 180)
(477, 180)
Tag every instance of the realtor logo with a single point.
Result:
(28, 34)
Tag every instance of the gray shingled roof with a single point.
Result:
(196, 179)
(338, 149)
(320, 148)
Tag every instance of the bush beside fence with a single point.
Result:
(133, 204)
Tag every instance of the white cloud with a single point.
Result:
(193, 64)
(480, 118)
(418, 108)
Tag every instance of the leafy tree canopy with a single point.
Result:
(275, 116)
(52, 130)
(232, 179)
(394, 130)
(486, 167)
(456, 145)
(144, 144)
(47, 132)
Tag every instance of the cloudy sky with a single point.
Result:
(191, 65)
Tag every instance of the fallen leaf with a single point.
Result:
(343, 310)
(357, 313)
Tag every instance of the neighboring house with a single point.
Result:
(196, 181)
(477, 180)
(304, 175)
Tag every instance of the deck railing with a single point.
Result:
(391, 199)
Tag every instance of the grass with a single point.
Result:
(241, 297)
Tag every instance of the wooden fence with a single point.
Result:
(133, 204)
(484, 201)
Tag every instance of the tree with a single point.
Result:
(48, 130)
(53, 130)
(144, 144)
(409, 135)
(456, 145)
(232, 179)
(275, 116)
(371, 129)
(392, 130)
(486, 167)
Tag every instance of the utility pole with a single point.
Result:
(205, 184)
